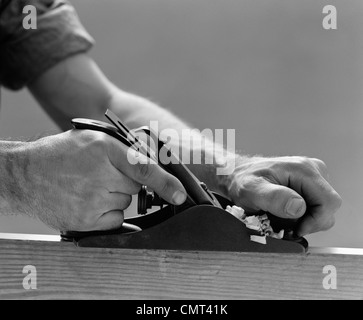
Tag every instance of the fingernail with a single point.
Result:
(294, 206)
(179, 197)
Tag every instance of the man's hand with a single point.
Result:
(288, 187)
(81, 180)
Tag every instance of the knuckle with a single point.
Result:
(306, 162)
(329, 223)
(325, 219)
(320, 166)
(125, 201)
(251, 182)
(319, 163)
(337, 201)
(88, 135)
(144, 171)
(94, 141)
(273, 197)
(165, 186)
(304, 165)
(117, 222)
(293, 164)
(99, 140)
(332, 202)
(267, 173)
(135, 187)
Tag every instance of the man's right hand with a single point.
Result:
(81, 180)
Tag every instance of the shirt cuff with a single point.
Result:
(30, 53)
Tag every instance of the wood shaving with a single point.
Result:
(257, 223)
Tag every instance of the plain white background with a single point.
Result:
(266, 68)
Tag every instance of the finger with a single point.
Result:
(320, 217)
(145, 171)
(321, 167)
(120, 183)
(110, 220)
(108, 201)
(278, 200)
(315, 221)
(322, 201)
(319, 193)
(113, 205)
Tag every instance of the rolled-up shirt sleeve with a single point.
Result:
(26, 53)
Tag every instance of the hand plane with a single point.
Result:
(200, 223)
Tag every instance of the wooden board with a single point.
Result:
(64, 271)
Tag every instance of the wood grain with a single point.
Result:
(65, 271)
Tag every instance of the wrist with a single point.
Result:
(14, 161)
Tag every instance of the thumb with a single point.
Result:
(145, 171)
(279, 200)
